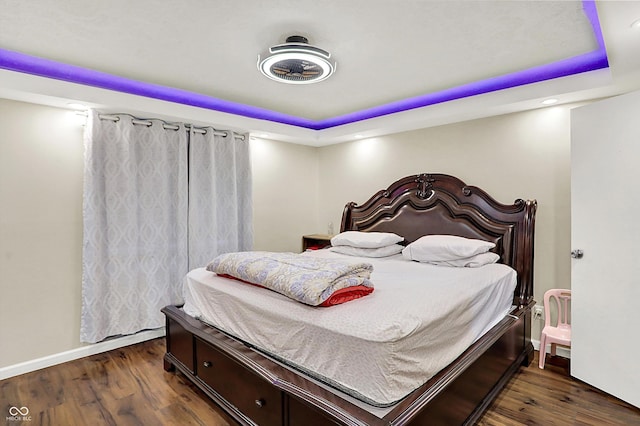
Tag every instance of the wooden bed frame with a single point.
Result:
(255, 390)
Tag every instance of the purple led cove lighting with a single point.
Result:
(589, 8)
(15, 61)
(578, 64)
(587, 62)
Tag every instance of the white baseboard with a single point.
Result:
(560, 350)
(81, 352)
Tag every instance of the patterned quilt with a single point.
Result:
(313, 281)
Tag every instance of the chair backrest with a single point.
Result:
(561, 297)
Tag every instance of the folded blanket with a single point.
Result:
(313, 281)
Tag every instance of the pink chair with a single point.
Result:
(560, 334)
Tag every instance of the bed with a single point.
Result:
(255, 387)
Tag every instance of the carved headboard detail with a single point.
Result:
(429, 204)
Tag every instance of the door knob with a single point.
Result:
(577, 254)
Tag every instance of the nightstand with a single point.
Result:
(315, 241)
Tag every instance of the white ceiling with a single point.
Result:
(386, 51)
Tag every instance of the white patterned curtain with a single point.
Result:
(220, 207)
(135, 225)
(158, 201)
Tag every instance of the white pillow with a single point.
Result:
(365, 239)
(469, 262)
(368, 252)
(437, 248)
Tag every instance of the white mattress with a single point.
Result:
(378, 348)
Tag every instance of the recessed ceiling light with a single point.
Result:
(76, 105)
(264, 135)
(358, 136)
(549, 101)
(296, 62)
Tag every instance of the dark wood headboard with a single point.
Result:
(430, 204)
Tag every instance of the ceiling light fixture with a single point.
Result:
(76, 105)
(296, 62)
(549, 101)
(635, 24)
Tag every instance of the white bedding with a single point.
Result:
(378, 348)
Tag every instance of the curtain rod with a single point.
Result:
(168, 126)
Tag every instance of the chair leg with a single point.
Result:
(553, 349)
(542, 351)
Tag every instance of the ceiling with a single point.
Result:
(401, 65)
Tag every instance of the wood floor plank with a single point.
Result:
(74, 414)
(128, 386)
(183, 414)
(552, 397)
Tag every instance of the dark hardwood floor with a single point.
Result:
(128, 386)
(552, 397)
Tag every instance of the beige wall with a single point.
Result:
(285, 190)
(40, 231)
(297, 190)
(41, 168)
(523, 155)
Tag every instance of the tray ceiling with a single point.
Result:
(392, 56)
